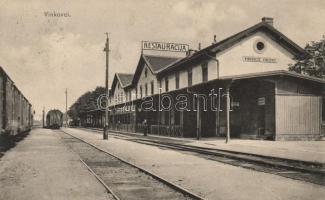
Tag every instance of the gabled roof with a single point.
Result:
(124, 79)
(154, 62)
(157, 63)
(268, 29)
(264, 27)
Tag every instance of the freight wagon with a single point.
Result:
(15, 110)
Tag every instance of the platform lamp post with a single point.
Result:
(105, 132)
(228, 114)
(218, 112)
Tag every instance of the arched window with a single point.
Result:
(152, 88)
(189, 77)
(177, 80)
(166, 84)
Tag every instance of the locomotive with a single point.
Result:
(54, 119)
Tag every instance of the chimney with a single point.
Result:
(268, 20)
(190, 52)
(214, 39)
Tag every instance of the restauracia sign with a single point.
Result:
(163, 46)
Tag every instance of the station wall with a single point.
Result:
(232, 59)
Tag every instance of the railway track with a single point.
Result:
(123, 180)
(299, 170)
(281, 167)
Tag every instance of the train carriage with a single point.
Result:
(54, 119)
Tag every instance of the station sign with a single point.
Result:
(163, 46)
(259, 59)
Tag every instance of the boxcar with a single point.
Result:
(15, 110)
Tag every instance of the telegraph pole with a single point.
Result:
(66, 107)
(105, 133)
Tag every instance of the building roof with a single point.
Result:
(125, 79)
(276, 35)
(268, 74)
(273, 73)
(154, 62)
(264, 27)
(157, 63)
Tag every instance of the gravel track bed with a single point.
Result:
(126, 181)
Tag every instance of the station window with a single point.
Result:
(259, 46)
(152, 88)
(140, 91)
(146, 89)
(166, 84)
(146, 72)
(177, 80)
(189, 77)
(204, 72)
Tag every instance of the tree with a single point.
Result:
(85, 103)
(314, 64)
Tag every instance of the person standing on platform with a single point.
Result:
(145, 127)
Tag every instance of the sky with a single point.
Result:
(44, 55)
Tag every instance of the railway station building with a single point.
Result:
(238, 86)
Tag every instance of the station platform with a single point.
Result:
(42, 167)
(310, 151)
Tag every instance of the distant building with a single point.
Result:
(266, 100)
